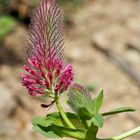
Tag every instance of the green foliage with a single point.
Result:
(88, 109)
(7, 23)
(86, 121)
(56, 119)
(119, 110)
(98, 120)
(98, 102)
(53, 126)
(54, 131)
(4, 2)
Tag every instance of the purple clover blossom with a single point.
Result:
(46, 72)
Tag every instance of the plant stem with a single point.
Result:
(85, 124)
(78, 136)
(75, 135)
(127, 134)
(63, 115)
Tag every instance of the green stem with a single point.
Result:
(63, 115)
(85, 124)
(127, 134)
(78, 136)
(75, 135)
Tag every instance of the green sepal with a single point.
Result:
(119, 110)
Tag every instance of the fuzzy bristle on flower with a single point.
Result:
(46, 71)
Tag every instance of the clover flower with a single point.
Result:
(46, 71)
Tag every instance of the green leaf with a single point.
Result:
(54, 131)
(45, 122)
(98, 102)
(119, 110)
(80, 101)
(55, 118)
(92, 132)
(7, 24)
(98, 120)
(53, 126)
(46, 133)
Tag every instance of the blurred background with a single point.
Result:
(102, 42)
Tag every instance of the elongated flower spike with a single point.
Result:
(46, 72)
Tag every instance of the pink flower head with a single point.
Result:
(46, 71)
